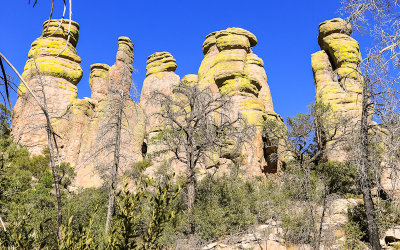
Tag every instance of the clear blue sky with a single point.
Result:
(286, 30)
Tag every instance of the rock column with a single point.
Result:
(230, 66)
(52, 71)
(337, 75)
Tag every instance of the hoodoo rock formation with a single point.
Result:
(230, 67)
(52, 71)
(337, 74)
(160, 77)
(84, 126)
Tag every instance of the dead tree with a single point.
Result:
(112, 136)
(198, 125)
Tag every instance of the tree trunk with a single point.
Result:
(191, 189)
(321, 222)
(115, 166)
(56, 180)
(373, 232)
(50, 137)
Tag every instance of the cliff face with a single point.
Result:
(230, 67)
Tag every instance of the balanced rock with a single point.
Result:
(160, 78)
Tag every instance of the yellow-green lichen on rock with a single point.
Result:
(239, 31)
(342, 48)
(98, 70)
(232, 41)
(209, 42)
(99, 81)
(53, 46)
(125, 45)
(160, 62)
(336, 25)
(62, 28)
(253, 110)
(53, 66)
(337, 75)
(190, 80)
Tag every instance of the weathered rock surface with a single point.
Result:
(391, 237)
(98, 80)
(58, 76)
(271, 234)
(82, 124)
(229, 67)
(160, 78)
(337, 74)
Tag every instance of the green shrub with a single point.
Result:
(339, 177)
(297, 226)
(354, 236)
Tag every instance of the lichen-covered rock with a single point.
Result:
(190, 80)
(98, 80)
(160, 62)
(54, 65)
(120, 74)
(230, 67)
(88, 145)
(337, 75)
(62, 28)
(161, 78)
(82, 124)
(336, 25)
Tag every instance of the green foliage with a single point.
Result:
(387, 215)
(80, 238)
(27, 206)
(5, 121)
(126, 232)
(297, 226)
(339, 177)
(138, 168)
(82, 204)
(354, 236)
(224, 205)
(46, 179)
(161, 213)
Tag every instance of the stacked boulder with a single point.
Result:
(53, 70)
(230, 67)
(337, 74)
(160, 78)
